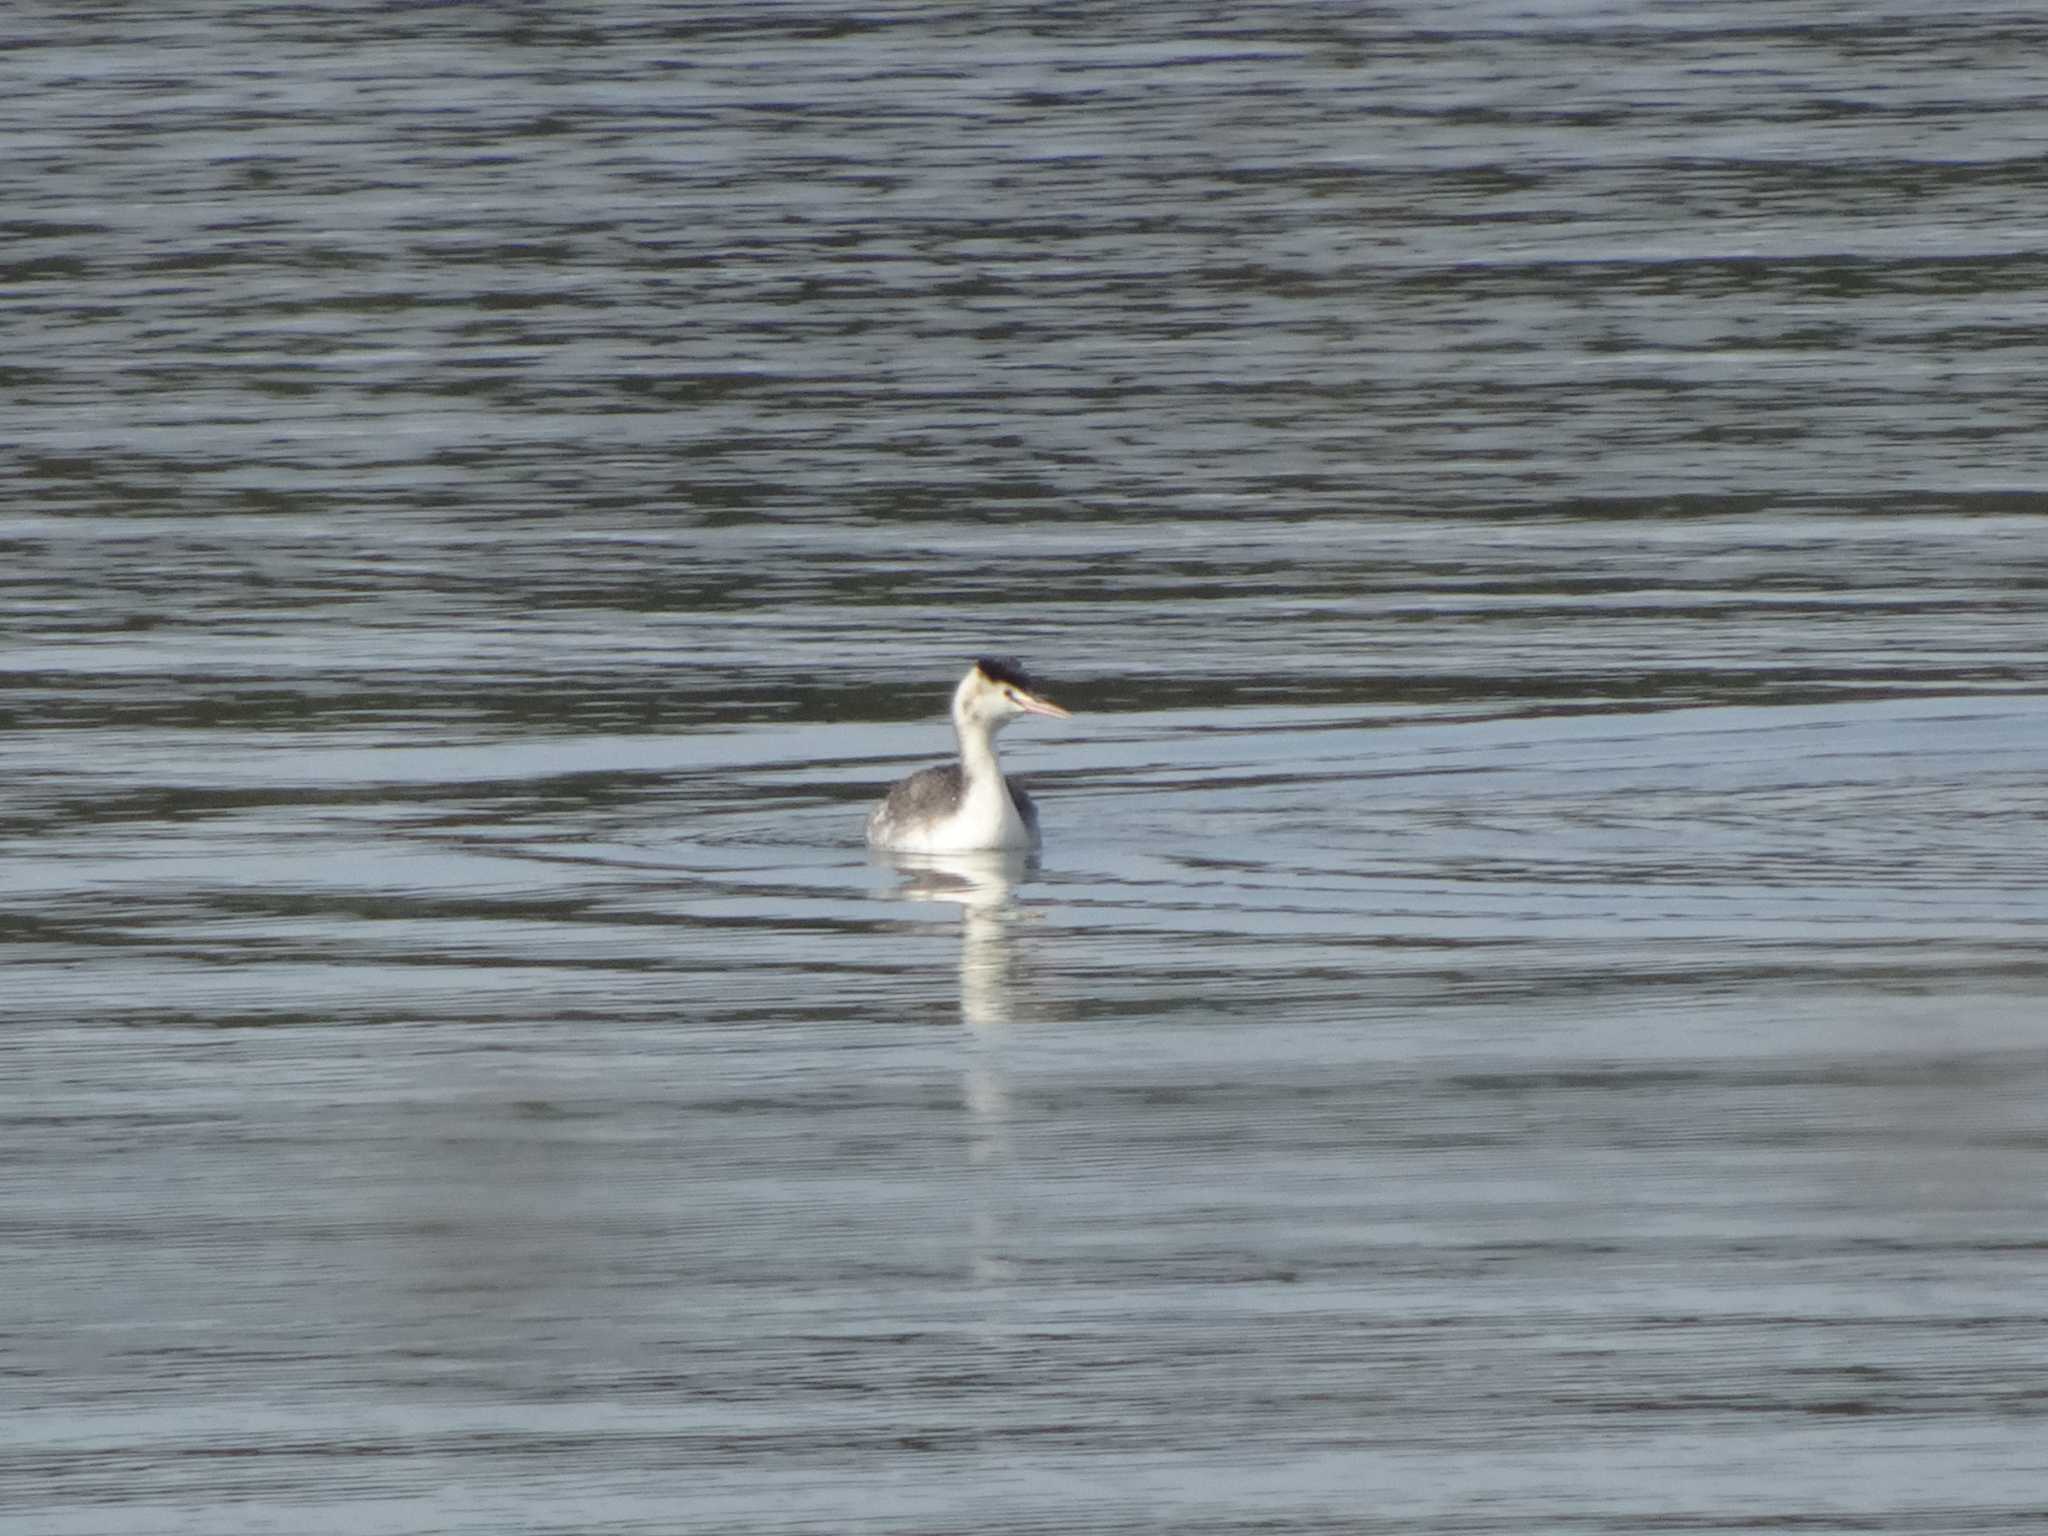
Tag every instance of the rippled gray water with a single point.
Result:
(1531, 1014)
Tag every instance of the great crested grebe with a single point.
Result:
(966, 806)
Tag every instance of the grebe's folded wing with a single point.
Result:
(929, 795)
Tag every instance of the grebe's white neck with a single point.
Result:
(977, 716)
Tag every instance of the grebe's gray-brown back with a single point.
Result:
(967, 806)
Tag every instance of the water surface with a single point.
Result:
(1530, 1013)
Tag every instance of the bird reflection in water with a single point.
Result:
(991, 990)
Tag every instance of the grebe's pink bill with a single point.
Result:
(967, 806)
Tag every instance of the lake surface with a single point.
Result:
(1532, 1012)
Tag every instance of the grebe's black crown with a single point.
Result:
(1005, 669)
